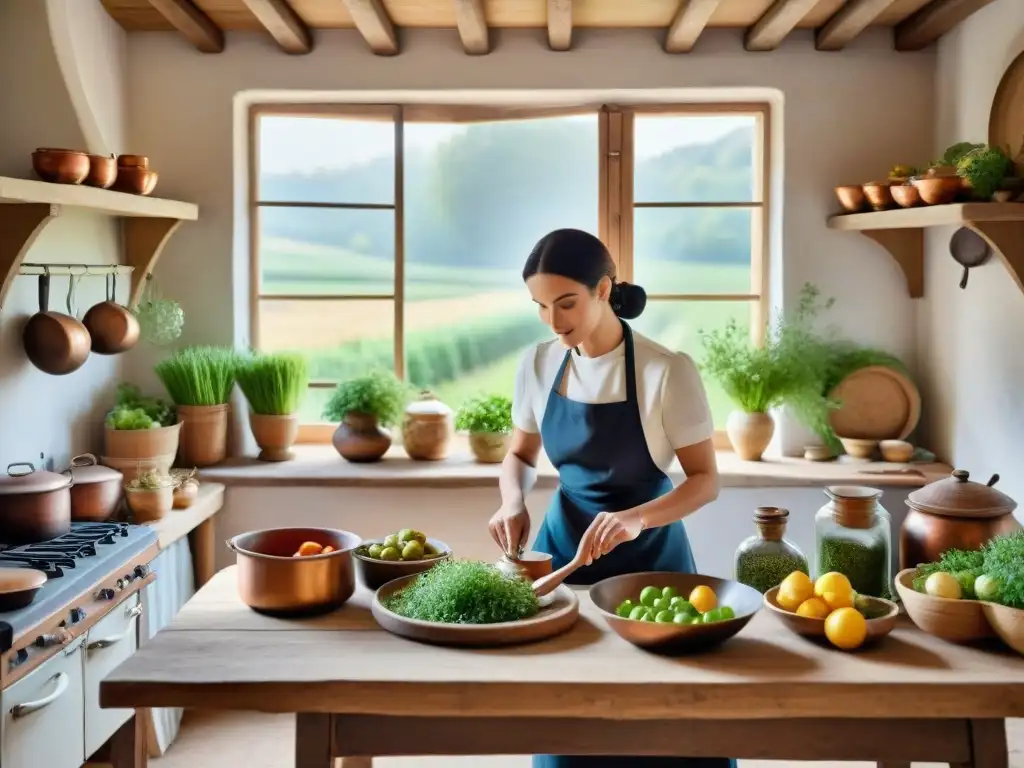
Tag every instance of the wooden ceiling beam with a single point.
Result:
(374, 24)
(560, 25)
(691, 19)
(848, 22)
(923, 28)
(283, 24)
(472, 24)
(777, 22)
(192, 23)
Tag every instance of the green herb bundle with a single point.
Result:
(199, 375)
(487, 414)
(273, 384)
(1001, 560)
(133, 410)
(378, 393)
(465, 592)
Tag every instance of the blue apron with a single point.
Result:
(604, 465)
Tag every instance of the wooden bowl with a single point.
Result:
(102, 171)
(896, 451)
(958, 621)
(879, 195)
(859, 448)
(938, 190)
(852, 198)
(376, 573)
(905, 195)
(607, 595)
(135, 181)
(808, 627)
(1008, 623)
(60, 166)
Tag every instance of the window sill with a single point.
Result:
(320, 465)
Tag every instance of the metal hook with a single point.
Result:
(72, 283)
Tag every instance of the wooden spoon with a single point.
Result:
(547, 584)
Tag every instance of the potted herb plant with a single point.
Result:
(488, 419)
(139, 430)
(273, 385)
(364, 406)
(199, 381)
(150, 495)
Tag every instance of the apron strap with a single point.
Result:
(627, 335)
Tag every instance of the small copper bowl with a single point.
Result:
(879, 194)
(102, 171)
(60, 166)
(938, 190)
(906, 195)
(135, 181)
(132, 161)
(852, 198)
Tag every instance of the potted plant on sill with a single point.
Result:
(139, 431)
(150, 495)
(273, 385)
(488, 419)
(364, 406)
(199, 381)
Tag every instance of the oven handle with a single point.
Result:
(23, 710)
(105, 642)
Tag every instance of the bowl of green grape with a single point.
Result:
(403, 553)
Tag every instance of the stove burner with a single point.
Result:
(53, 556)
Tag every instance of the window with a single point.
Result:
(387, 236)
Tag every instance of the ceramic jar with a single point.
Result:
(360, 438)
(427, 428)
(853, 535)
(749, 433)
(954, 512)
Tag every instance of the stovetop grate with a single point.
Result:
(55, 555)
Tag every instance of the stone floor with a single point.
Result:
(255, 740)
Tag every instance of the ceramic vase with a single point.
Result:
(360, 438)
(489, 447)
(275, 435)
(749, 433)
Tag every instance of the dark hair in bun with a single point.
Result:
(580, 256)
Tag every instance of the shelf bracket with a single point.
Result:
(1007, 239)
(906, 246)
(144, 240)
(20, 225)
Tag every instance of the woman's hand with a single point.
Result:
(510, 529)
(613, 528)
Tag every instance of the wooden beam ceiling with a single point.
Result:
(374, 24)
(283, 24)
(777, 22)
(192, 23)
(691, 19)
(933, 21)
(848, 22)
(560, 25)
(472, 24)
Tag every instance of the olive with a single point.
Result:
(390, 553)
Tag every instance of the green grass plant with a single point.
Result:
(274, 384)
(199, 375)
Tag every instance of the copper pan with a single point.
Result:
(112, 328)
(55, 343)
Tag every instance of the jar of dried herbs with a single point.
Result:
(766, 558)
(853, 533)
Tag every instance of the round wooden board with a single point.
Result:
(557, 618)
(877, 403)
(1006, 120)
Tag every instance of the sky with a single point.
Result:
(306, 144)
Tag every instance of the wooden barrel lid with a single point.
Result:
(876, 403)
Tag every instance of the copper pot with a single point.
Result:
(55, 343)
(112, 328)
(953, 513)
(60, 166)
(135, 180)
(102, 171)
(97, 490)
(35, 505)
(272, 579)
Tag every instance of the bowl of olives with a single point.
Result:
(404, 553)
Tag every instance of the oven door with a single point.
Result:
(112, 640)
(43, 720)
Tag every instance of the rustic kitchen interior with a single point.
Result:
(260, 296)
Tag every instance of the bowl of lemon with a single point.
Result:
(829, 608)
(665, 611)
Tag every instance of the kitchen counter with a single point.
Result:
(765, 694)
(196, 522)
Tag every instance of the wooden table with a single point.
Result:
(359, 691)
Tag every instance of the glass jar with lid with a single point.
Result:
(766, 558)
(853, 535)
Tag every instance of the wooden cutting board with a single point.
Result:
(877, 403)
(1006, 120)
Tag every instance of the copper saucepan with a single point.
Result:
(113, 328)
(55, 343)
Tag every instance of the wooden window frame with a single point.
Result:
(615, 201)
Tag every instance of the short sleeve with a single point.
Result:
(524, 415)
(684, 408)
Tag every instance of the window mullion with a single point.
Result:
(399, 301)
(626, 259)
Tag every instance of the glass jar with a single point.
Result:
(853, 534)
(766, 558)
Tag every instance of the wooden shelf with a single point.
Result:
(27, 206)
(901, 233)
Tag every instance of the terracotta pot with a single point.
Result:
(204, 434)
(938, 190)
(96, 492)
(148, 505)
(427, 429)
(879, 195)
(141, 444)
(275, 435)
(360, 438)
(489, 447)
(953, 513)
(749, 433)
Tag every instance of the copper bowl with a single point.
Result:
(102, 171)
(135, 181)
(60, 166)
(272, 580)
(376, 573)
(886, 610)
(938, 190)
(852, 198)
(905, 195)
(879, 195)
(132, 161)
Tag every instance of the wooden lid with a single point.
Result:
(958, 496)
(876, 403)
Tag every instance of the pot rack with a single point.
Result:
(73, 270)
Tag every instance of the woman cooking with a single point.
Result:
(611, 409)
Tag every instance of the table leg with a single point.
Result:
(203, 546)
(313, 741)
(988, 745)
(128, 745)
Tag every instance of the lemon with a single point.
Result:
(941, 584)
(837, 600)
(832, 582)
(794, 590)
(846, 628)
(813, 608)
(703, 598)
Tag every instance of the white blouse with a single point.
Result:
(671, 399)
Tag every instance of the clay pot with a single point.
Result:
(102, 171)
(953, 513)
(60, 166)
(275, 435)
(427, 429)
(852, 198)
(749, 433)
(879, 195)
(906, 195)
(148, 505)
(134, 180)
(938, 190)
(204, 434)
(489, 447)
(360, 438)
